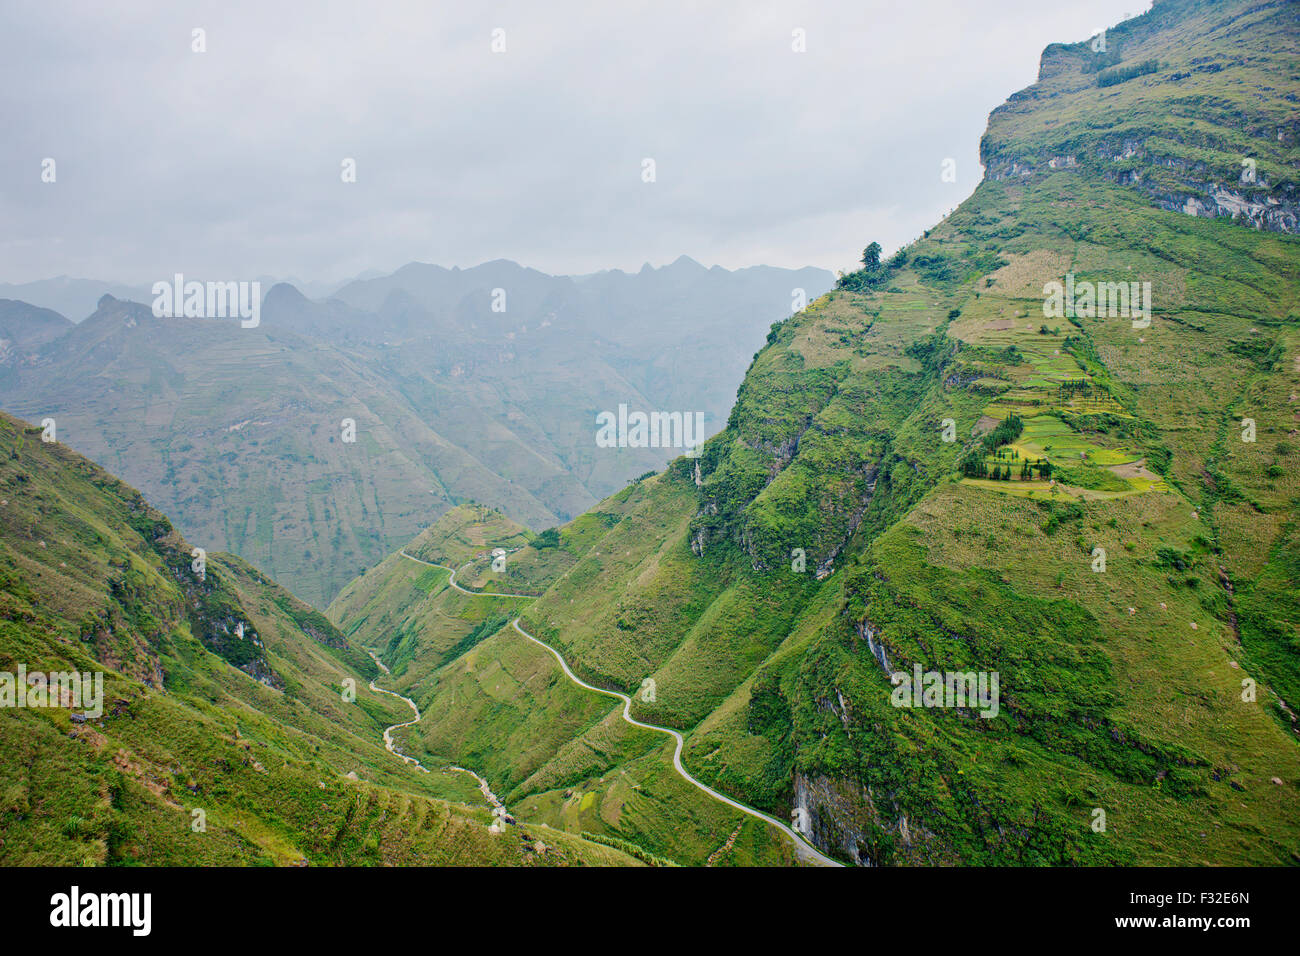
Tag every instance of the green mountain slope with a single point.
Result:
(222, 693)
(830, 536)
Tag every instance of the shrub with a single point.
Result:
(1125, 73)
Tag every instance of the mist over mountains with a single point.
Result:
(478, 384)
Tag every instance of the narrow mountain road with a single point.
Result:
(452, 580)
(802, 848)
(392, 747)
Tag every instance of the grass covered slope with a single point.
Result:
(1123, 687)
(490, 699)
(1190, 105)
(222, 694)
(924, 468)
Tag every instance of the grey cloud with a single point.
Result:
(227, 162)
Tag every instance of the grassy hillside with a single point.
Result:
(923, 468)
(222, 693)
(555, 753)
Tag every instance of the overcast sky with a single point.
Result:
(227, 163)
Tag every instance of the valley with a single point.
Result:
(228, 735)
(830, 535)
(444, 579)
(319, 440)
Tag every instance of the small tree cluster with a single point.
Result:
(974, 465)
(872, 273)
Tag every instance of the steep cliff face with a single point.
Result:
(797, 468)
(1169, 156)
(1192, 105)
(841, 819)
(131, 586)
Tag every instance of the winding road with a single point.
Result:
(804, 850)
(452, 580)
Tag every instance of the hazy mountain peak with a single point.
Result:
(284, 293)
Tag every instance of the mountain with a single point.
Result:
(949, 465)
(77, 298)
(554, 752)
(24, 329)
(72, 297)
(240, 432)
(222, 732)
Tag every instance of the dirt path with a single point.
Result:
(452, 580)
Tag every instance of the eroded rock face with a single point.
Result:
(1198, 169)
(834, 817)
(841, 819)
(1248, 204)
(870, 633)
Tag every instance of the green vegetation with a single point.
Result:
(1124, 73)
(222, 694)
(1098, 534)
(240, 438)
(1105, 533)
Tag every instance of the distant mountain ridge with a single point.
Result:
(77, 298)
(479, 384)
(25, 328)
